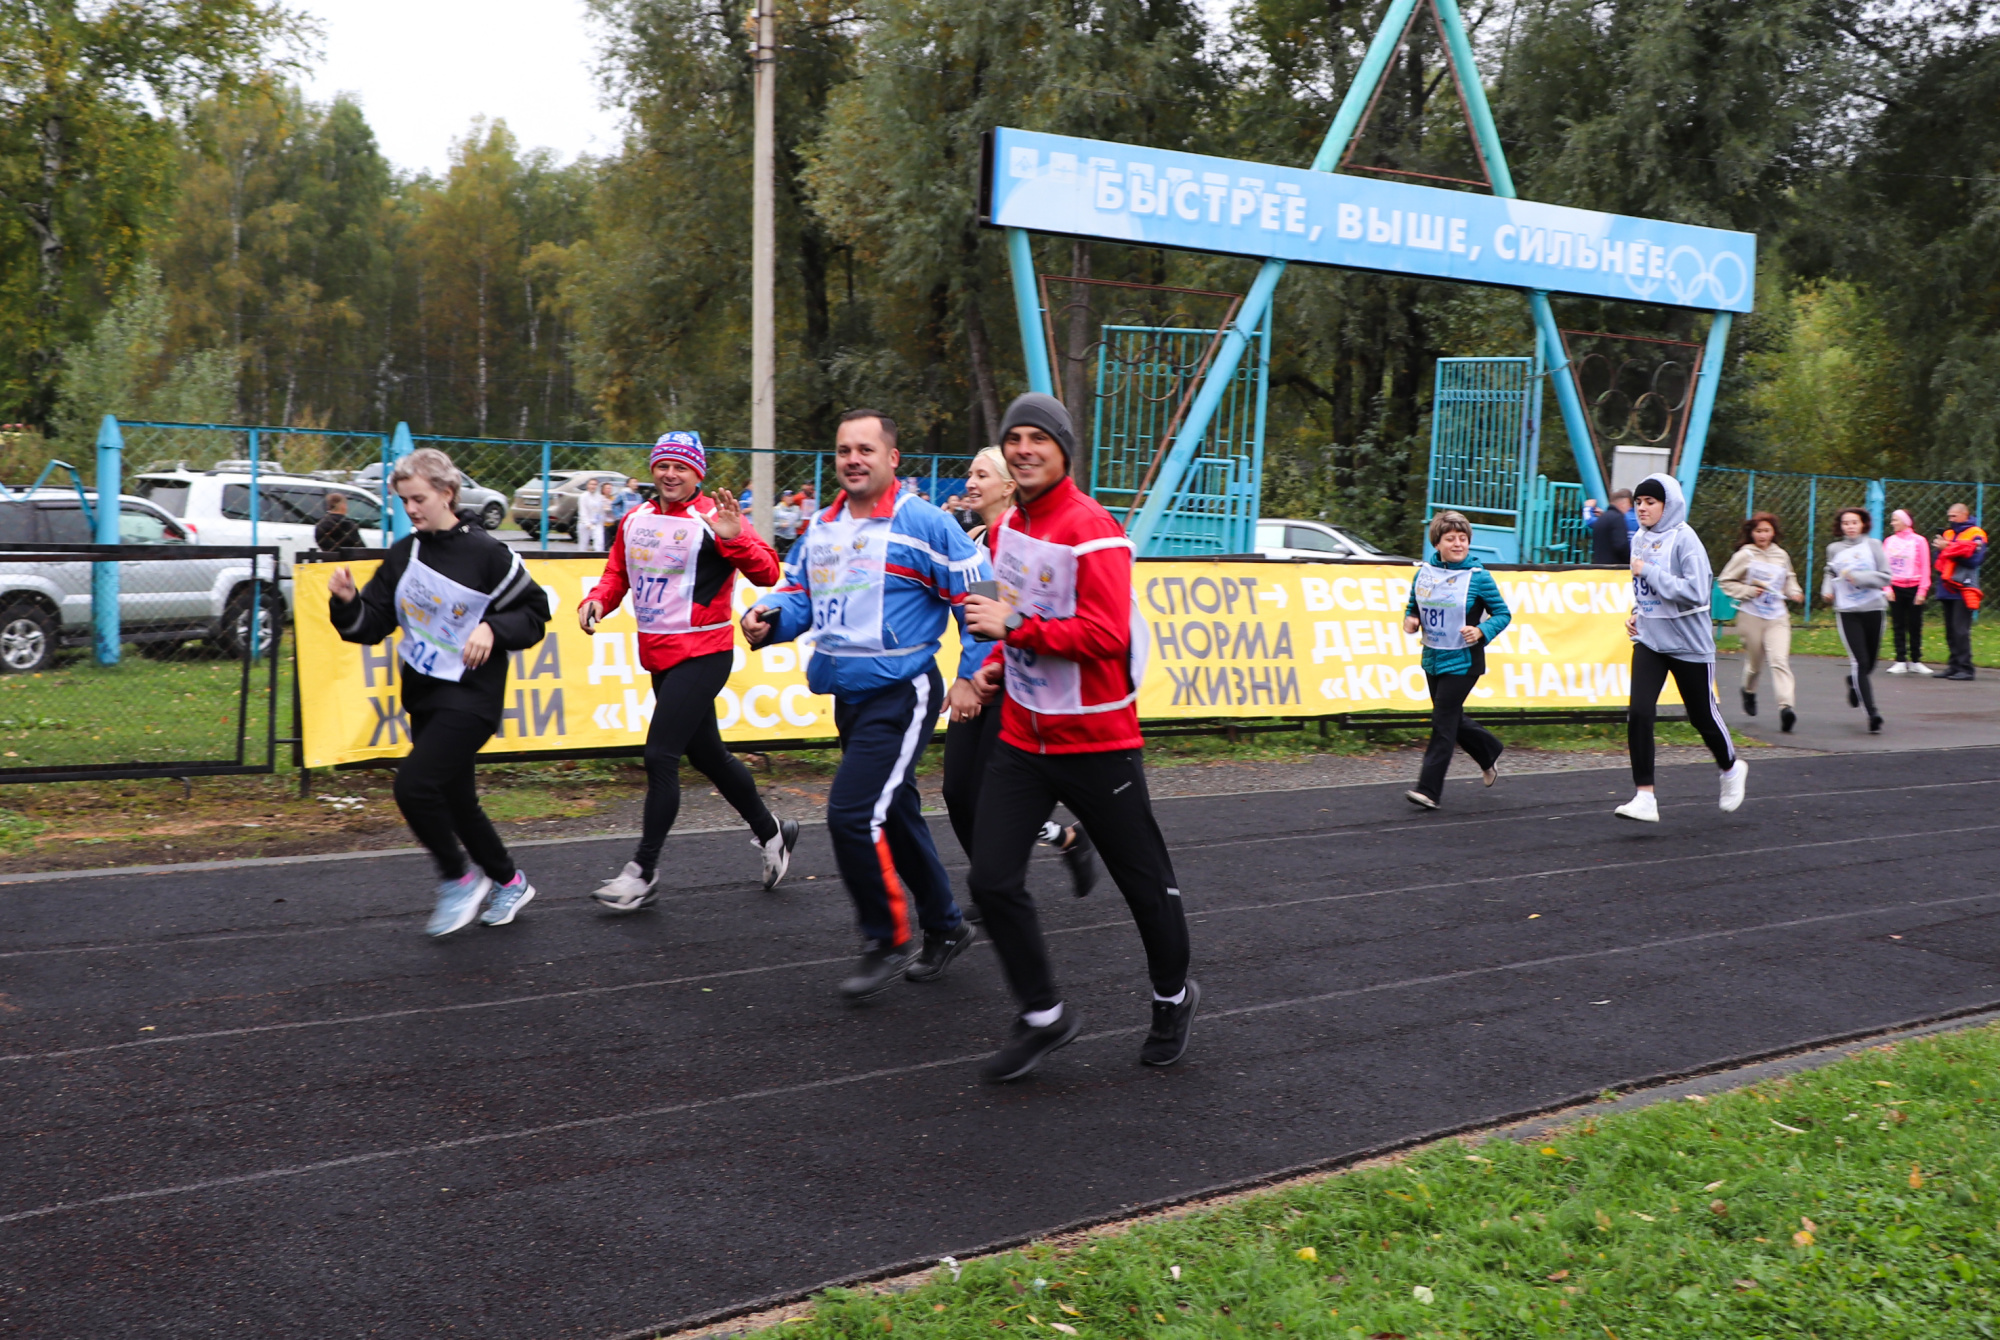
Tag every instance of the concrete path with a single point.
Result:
(1918, 711)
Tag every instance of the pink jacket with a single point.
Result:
(1909, 561)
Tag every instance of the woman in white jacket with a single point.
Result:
(1672, 634)
(1857, 570)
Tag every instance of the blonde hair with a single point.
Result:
(997, 459)
(430, 465)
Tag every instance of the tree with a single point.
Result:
(83, 155)
(124, 369)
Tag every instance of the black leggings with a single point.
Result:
(1696, 681)
(1450, 729)
(1861, 634)
(968, 753)
(1906, 619)
(684, 725)
(435, 791)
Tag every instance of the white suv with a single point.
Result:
(215, 505)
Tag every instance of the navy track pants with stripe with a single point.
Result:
(874, 814)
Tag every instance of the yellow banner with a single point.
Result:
(1229, 639)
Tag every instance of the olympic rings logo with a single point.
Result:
(1694, 280)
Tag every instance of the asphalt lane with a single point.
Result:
(259, 1100)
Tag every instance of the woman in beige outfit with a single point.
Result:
(1760, 579)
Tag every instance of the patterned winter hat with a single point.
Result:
(682, 447)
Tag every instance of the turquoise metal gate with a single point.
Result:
(1146, 377)
(1486, 429)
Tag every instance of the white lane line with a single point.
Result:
(580, 992)
(784, 1091)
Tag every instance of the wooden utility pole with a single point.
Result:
(763, 266)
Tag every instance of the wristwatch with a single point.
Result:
(1014, 620)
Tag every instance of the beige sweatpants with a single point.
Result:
(1767, 641)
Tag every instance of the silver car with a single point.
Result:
(476, 502)
(47, 606)
(565, 486)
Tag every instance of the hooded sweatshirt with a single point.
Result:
(1670, 597)
(1909, 561)
(1864, 581)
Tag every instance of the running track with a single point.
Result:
(259, 1102)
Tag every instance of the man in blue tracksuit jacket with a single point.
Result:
(871, 585)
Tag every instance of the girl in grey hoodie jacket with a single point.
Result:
(1857, 574)
(1672, 634)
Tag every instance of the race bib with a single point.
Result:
(1038, 579)
(1846, 595)
(1904, 565)
(660, 556)
(1644, 598)
(436, 615)
(1440, 596)
(1769, 602)
(846, 563)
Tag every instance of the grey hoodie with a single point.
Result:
(1870, 579)
(1671, 595)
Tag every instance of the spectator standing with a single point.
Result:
(1760, 578)
(627, 499)
(785, 519)
(592, 507)
(1610, 536)
(1961, 548)
(336, 530)
(1909, 584)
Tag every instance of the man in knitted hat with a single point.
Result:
(1073, 650)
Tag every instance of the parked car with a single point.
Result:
(46, 606)
(215, 504)
(564, 486)
(1282, 537)
(476, 503)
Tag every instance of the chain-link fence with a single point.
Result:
(1806, 507)
(182, 681)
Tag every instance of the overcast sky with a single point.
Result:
(422, 69)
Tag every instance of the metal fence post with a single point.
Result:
(104, 576)
(399, 447)
(1812, 530)
(1750, 497)
(1878, 493)
(548, 449)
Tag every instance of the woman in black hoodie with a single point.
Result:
(462, 601)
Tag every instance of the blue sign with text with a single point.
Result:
(1163, 198)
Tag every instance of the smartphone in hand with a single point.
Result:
(988, 589)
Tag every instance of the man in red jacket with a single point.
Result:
(678, 556)
(1072, 653)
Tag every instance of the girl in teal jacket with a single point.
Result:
(1457, 605)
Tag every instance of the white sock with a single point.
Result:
(1175, 999)
(1051, 831)
(1042, 1018)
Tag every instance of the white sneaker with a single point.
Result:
(778, 851)
(1732, 785)
(1919, 668)
(629, 890)
(1643, 806)
(1900, 668)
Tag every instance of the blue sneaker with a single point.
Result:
(458, 903)
(508, 899)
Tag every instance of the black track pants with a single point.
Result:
(1957, 634)
(1861, 634)
(1107, 794)
(968, 752)
(435, 791)
(684, 726)
(1696, 681)
(1906, 619)
(1451, 730)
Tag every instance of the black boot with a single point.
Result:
(1787, 718)
(1749, 703)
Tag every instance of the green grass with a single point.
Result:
(138, 711)
(1855, 1201)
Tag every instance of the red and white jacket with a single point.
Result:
(717, 562)
(1074, 664)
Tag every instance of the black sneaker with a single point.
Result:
(1749, 703)
(1172, 1025)
(970, 910)
(1853, 694)
(1874, 725)
(1081, 858)
(879, 968)
(1029, 1047)
(1787, 719)
(939, 951)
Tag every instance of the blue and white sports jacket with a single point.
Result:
(872, 597)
